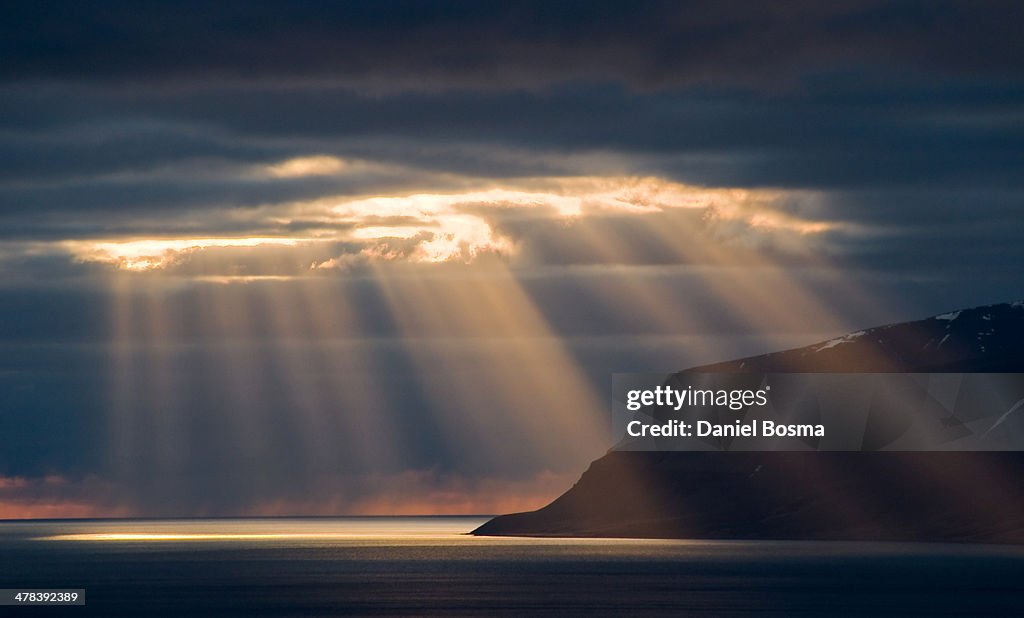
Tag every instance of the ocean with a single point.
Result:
(429, 566)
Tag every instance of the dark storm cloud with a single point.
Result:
(181, 192)
(115, 109)
(439, 44)
(873, 115)
(183, 152)
(118, 122)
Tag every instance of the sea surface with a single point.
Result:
(429, 566)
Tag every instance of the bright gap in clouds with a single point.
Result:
(317, 165)
(432, 227)
(154, 254)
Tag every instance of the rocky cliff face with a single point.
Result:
(947, 496)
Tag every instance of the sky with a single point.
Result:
(382, 258)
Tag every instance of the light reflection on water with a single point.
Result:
(260, 529)
(429, 565)
(382, 532)
(441, 531)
